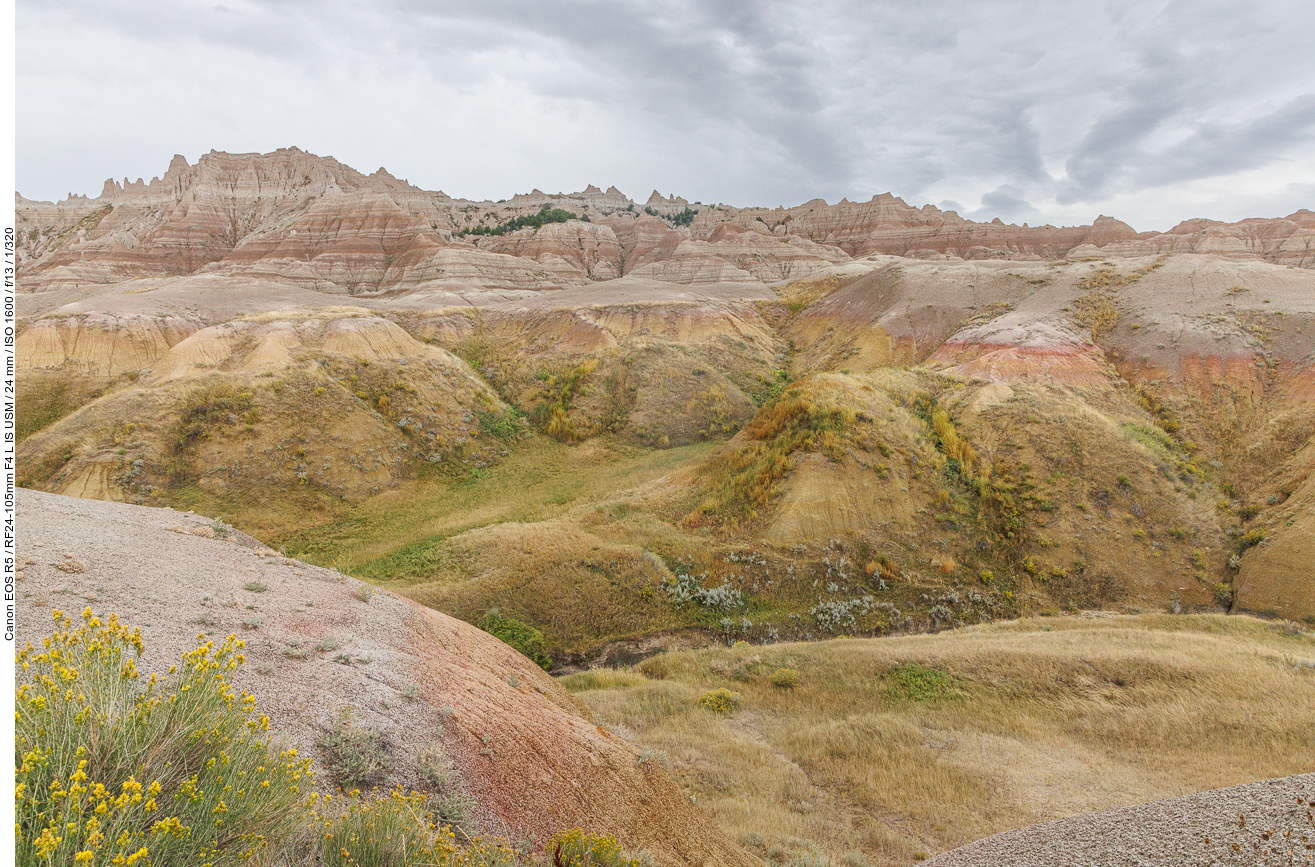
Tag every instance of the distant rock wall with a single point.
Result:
(313, 221)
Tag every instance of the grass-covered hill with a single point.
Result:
(926, 445)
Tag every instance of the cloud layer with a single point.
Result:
(1028, 111)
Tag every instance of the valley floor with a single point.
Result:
(893, 749)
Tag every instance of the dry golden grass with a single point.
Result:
(802, 293)
(1035, 719)
(953, 445)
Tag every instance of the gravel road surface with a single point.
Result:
(1257, 824)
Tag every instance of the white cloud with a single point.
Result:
(1044, 112)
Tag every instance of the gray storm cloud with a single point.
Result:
(1037, 111)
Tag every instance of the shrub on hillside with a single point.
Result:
(1249, 540)
(552, 414)
(450, 804)
(397, 831)
(721, 700)
(785, 678)
(177, 770)
(575, 848)
(742, 482)
(521, 636)
(207, 411)
(355, 757)
(116, 769)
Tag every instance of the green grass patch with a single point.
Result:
(396, 537)
(524, 638)
(414, 561)
(503, 425)
(41, 407)
(914, 682)
(1155, 440)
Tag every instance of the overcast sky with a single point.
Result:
(1035, 112)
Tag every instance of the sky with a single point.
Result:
(1038, 112)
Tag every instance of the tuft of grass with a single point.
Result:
(952, 445)
(295, 651)
(508, 425)
(327, 644)
(255, 587)
(1156, 440)
(355, 757)
(914, 682)
(600, 678)
(396, 830)
(552, 415)
(451, 803)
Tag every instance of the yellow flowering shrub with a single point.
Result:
(116, 769)
(575, 848)
(721, 700)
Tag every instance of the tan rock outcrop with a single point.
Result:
(98, 345)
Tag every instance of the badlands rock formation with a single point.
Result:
(314, 222)
(285, 323)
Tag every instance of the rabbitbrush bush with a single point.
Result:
(173, 770)
(113, 769)
(721, 700)
(575, 848)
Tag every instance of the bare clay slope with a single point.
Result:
(1090, 416)
(525, 748)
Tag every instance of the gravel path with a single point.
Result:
(1265, 823)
